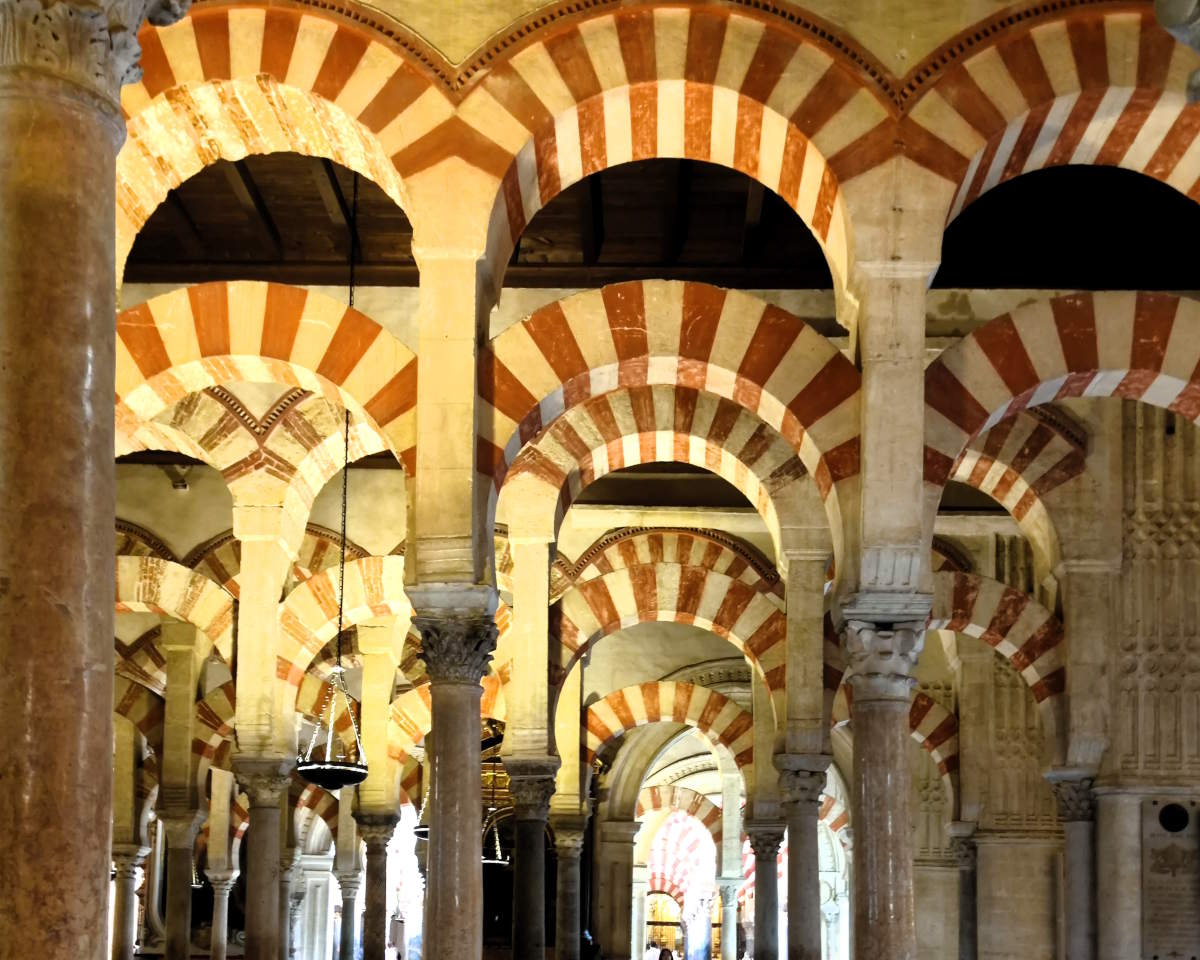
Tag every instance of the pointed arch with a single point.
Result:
(151, 585)
(252, 331)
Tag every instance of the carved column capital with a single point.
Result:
(91, 44)
(881, 657)
(765, 839)
(265, 780)
(965, 852)
(349, 882)
(1076, 799)
(376, 829)
(802, 777)
(456, 648)
(181, 827)
(531, 783)
(222, 881)
(128, 860)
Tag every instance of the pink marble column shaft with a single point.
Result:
(57, 342)
(457, 649)
(881, 658)
(265, 780)
(376, 831)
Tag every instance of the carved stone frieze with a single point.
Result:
(881, 658)
(90, 43)
(456, 649)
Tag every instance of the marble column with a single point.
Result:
(457, 647)
(376, 829)
(881, 659)
(291, 873)
(568, 845)
(801, 781)
(265, 781)
(637, 914)
(128, 860)
(729, 887)
(222, 882)
(296, 898)
(349, 882)
(831, 912)
(181, 839)
(62, 65)
(1118, 874)
(531, 781)
(962, 846)
(1077, 813)
(765, 839)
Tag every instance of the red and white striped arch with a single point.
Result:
(308, 617)
(143, 708)
(231, 80)
(634, 547)
(142, 661)
(1091, 87)
(151, 585)
(692, 335)
(753, 621)
(701, 82)
(256, 332)
(1137, 346)
(686, 801)
(1024, 632)
(657, 424)
(412, 712)
(314, 803)
(723, 722)
(212, 744)
(683, 859)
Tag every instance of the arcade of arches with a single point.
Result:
(772, 523)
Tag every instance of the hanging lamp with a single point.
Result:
(337, 770)
(498, 859)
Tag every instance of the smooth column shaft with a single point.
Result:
(766, 905)
(262, 883)
(883, 874)
(179, 902)
(968, 913)
(57, 336)
(454, 891)
(804, 882)
(567, 918)
(1080, 856)
(347, 936)
(125, 905)
(220, 923)
(529, 891)
(375, 907)
(729, 923)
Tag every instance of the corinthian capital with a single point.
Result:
(765, 839)
(881, 658)
(1076, 801)
(456, 649)
(531, 783)
(90, 43)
